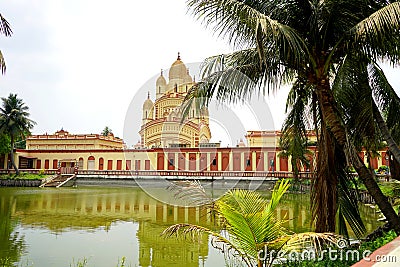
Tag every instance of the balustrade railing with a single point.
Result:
(174, 173)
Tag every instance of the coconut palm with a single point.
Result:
(306, 44)
(14, 121)
(249, 226)
(294, 141)
(6, 30)
(374, 96)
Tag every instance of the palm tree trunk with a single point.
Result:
(325, 184)
(381, 200)
(328, 108)
(394, 149)
(12, 155)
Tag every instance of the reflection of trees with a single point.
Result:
(12, 243)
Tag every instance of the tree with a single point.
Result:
(248, 225)
(106, 131)
(14, 121)
(6, 30)
(295, 148)
(306, 44)
(4, 144)
(293, 141)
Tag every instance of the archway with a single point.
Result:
(91, 163)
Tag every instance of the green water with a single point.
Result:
(58, 227)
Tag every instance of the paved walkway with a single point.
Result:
(386, 256)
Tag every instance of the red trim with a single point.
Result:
(128, 164)
(147, 165)
(119, 164)
(192, 161)
(283, 164)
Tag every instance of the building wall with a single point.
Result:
(188, 159)
(63, 140)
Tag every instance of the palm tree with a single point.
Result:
(14, 121)
(294, 147)
(305, 43)
(293, 141)
(6, 30)
(249, 226)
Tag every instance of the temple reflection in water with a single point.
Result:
(94, 208)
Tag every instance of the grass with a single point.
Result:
(24, 176)
(84, 263)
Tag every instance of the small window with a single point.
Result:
(214, 162)
(248, 162)
(171, 162)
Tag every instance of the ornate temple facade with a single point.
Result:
(162, 124)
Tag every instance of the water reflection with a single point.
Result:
(11, 240)
(96, 210)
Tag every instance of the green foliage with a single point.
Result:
(14, 121)
(84, 263)
(327, 51)
(24, 176)
(383, 169)
(370, 246)
(294, 145)
(4, 144)
(79, 263)
(249, 226)
(14, 118)
(106, 131)
(7, 262)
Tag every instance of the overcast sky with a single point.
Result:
(79, 63)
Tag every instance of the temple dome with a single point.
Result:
(178, 70)
(148, 104)
(161, 81)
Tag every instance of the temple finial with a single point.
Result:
(148, 94)
(161, 72)
(179, 56)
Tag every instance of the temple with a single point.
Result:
(169, 144)
(162, 124)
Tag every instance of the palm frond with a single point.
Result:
(192, 231)
(5, 27)
(378, 35)
(312, 240)
(348, 211)
(247, 24)
(293, 140)
(191, 191)
(387, 99)
(2, 63)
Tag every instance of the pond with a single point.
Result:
(59, 227)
